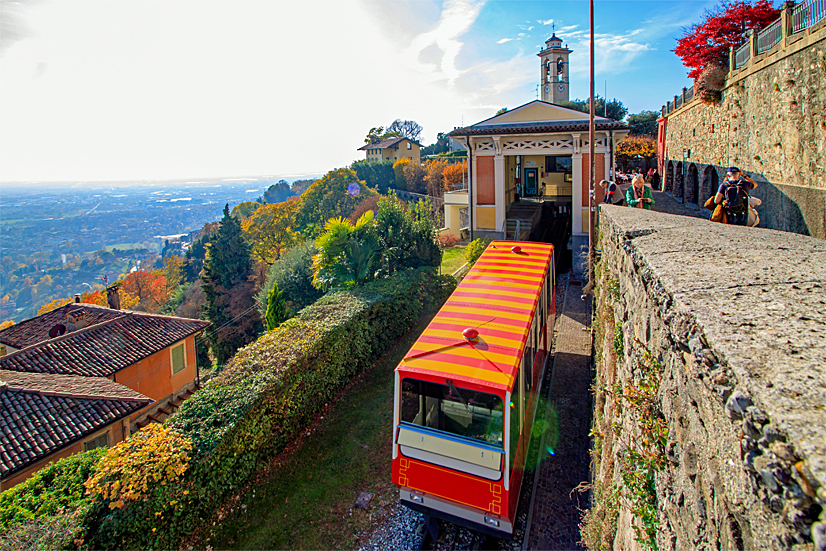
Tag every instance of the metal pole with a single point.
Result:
(592, 168)
(469, 183)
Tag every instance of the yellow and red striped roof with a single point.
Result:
(497, 298)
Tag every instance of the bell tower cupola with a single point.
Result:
(554, 71)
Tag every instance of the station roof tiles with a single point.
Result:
(43, 413)
(497, 298)
(104, 348)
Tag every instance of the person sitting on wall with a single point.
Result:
(639, 195)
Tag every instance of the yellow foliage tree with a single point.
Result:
(270, 230)
(637, 146)
(156, 455)
(53, 305)
(7, 323)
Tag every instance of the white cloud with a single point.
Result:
(503, 40)
(456, 18)
(546, 22)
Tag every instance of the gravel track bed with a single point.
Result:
(405, 528)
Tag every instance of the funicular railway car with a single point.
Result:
(466, 392)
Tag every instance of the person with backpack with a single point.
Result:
(733, 195)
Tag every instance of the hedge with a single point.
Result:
(266, 395)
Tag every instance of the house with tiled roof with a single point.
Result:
(393, 149)
(47, 417)
(148, 354)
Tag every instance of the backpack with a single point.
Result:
(735, 199)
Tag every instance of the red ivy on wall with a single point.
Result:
(721, 28)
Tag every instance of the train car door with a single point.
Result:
(531, 180)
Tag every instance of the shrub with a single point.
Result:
(293, 273)
(475, 249)
(52, 488)
(128, 471)
(265, 396)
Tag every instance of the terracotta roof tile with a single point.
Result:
(105, 348)
(45, 413)
(35, 330)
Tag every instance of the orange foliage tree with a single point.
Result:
(434, 177)
(150, 288)
(453, 175)
(637, 146)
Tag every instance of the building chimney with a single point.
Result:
(112, 297)
(77, 298)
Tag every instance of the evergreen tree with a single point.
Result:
(228, 288)
(276, 308)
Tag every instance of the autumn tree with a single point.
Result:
(228, 287)
(149, 286)
(270, 230)
(434, 177)
(414, 175)
(708, 42)
(5, 324)
(636, 147)
(453, 176)
(53, 305)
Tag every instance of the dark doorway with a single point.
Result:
(679, 183)
(711, 181)
(692, 192)
(668, 177)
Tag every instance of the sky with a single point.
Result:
(116, 90)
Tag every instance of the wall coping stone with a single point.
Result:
(759, 298)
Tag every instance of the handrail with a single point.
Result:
(769, 37)
(807, 14)
(742, 55)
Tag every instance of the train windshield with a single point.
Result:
(458, 411)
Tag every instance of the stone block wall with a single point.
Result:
(710, 408)
(771, 122)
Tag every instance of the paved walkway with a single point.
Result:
(556, 508)
(664, 202)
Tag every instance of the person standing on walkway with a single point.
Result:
(733, 194)
(639, 195)
(655, 180)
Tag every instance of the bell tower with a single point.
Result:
(554, 71)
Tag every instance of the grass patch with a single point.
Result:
(305, 499)
(452, 259)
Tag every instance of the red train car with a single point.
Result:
(466, 392)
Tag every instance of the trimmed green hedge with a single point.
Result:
(54, 487)
(268, 393)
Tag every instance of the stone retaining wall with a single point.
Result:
(771, 123)
(710, 413)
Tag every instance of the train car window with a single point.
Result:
(515, 412)
(549, 288)
(455, 410)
